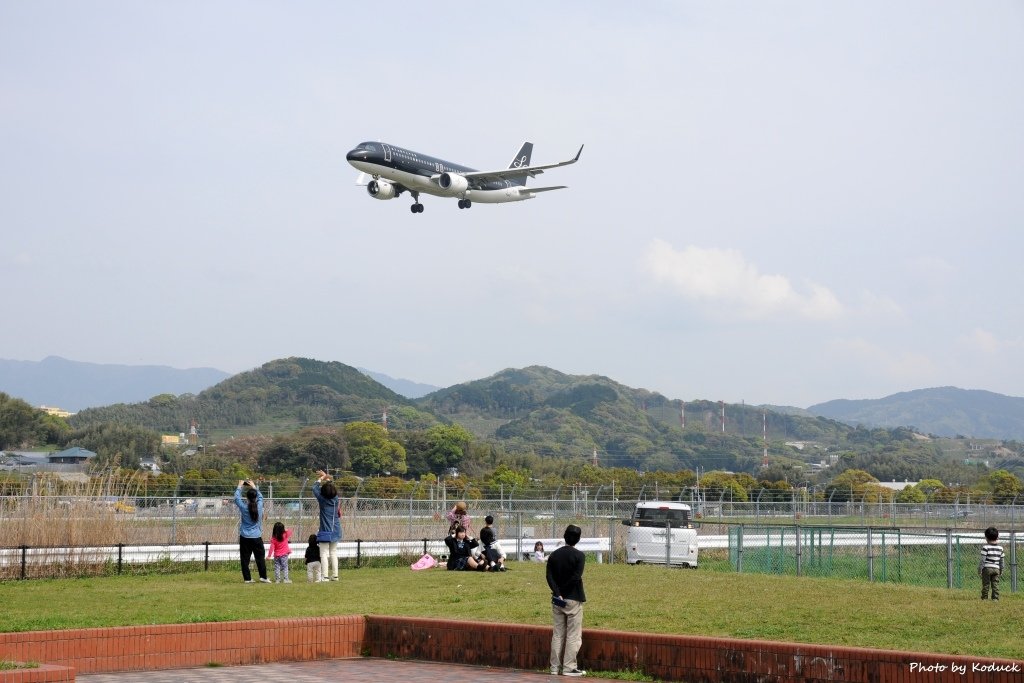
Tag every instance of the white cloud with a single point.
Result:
(877, 305)
(986, 342)
(21, 260)
(724, 278)
(931, 266)
(906, 368)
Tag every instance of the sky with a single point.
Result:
(778, 202)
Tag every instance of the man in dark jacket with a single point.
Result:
(565, 578)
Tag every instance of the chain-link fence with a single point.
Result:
(927, 544)
(909, 556)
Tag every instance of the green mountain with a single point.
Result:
(277, 396)
(943, 411)
(545, 411)
(535, 411)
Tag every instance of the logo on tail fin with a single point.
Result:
(521, 160)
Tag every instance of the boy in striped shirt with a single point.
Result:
(991, 565)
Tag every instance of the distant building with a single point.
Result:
(150, 465)
(59, 412)
(898, 485)
(69, 461)
(71, 456)
(172, 439)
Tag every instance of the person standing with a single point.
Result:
(991, 565)
(565, 578)
(329, 535)
(312, 560)
(280, 552)
(250, 530)
(458, 516)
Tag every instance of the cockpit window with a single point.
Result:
(368, 146)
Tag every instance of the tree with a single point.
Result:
(723, 484)
(117, 445)
(851, 485)
(447, 446)
(911, 494)
(18, 422)
(1005, 487)
(372, 450)
(929, 486)
(508, 479)
(305, 452)
(324, 446)
(244, 449)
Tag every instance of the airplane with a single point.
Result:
(395, 170)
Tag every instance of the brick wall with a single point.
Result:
(44, 673)
(667, 657)
(673, 658)
(142, 648)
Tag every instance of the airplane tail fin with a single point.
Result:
(522, 159)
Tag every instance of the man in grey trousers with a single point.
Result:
(565, 578)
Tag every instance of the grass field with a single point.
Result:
(641, 598)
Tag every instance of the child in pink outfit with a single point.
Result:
(279, 551)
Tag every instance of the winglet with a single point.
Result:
(577, 158)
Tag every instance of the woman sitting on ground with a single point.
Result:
(460, 550)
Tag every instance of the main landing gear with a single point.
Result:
(465, 203)
(417, 207)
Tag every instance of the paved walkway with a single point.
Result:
(363, 669)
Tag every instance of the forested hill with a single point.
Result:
(942, 411)
(540, 409)
(529, 412)
(279, 395)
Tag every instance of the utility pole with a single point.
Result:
(764, 432)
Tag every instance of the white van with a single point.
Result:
(660, 532)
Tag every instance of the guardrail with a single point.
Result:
(27, 557)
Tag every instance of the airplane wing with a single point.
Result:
(522, 172)
(533, 190)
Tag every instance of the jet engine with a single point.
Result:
(453, 183)
(381, 189)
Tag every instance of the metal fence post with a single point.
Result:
(359, 552)
(410, 517)
(174, 511)
(1013, 561)
(554, 511)
(799, 552)
(519, 535)
(871, 557)
(949, 557)
(206, 556)
(24, 555)
(668, 542)
(739, 549)
(611, 541)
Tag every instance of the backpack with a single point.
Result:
(425, 562)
